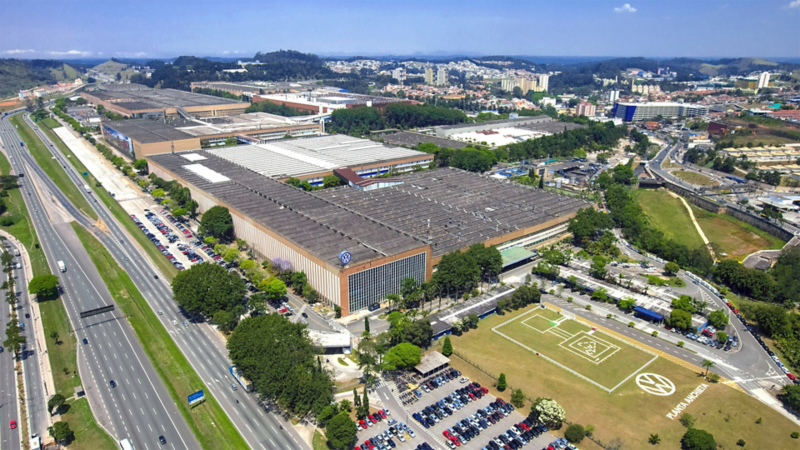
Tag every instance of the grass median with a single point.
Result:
(62, 357)
(51, 167)
(210, 424)
(167, 269)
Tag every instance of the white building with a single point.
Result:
(612, 96)
(763, 80)
(399, 74)
(441, 77)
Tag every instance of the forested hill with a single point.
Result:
(19, 74)
(284, 65)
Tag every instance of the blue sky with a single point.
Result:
(168, 28)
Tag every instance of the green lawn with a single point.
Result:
(51, 167)
(49, 122)
(319, 443)
(167, 269)
(732, 236)
(598, 356)
(209, 423)
(694, 178)
(88, 435)
(668, 214)
(629, 413)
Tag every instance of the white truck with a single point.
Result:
(61, 266)
(87, 189)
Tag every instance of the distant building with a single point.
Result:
(399, 74)
(585, 109)
(612, 96)
(429, 76)
(441, 77)
(763, 80)
(631, 112)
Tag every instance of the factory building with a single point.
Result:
(136, 101)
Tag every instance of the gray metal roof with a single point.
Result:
(147, 131)
(146, 98)
(505, 122)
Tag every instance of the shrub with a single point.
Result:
(588, 307)
(687, 420)
(654, 333)
(575, 433)
(713, 377)
(740, 442)
(631, 324)
(795, 435)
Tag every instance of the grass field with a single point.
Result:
(597, 356)
(761, 139)
(210, 424)
(50, 122)
(629, 413)
(52, 168)
(732, 236)
(694, 178)
(668, 214)
(120, 214)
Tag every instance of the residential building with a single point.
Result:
(585, 109)
(399, 74)
(429, 76)
(612, 96)
(441, 77)
(763, 80)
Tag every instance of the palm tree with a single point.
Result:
(708, 364)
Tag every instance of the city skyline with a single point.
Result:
(240, 29)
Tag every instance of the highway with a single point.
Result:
(199, 342)
(9, 401)
(139, 407)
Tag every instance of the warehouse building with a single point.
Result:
(445, 131)
(324, 101)
(356, 246)
(632, 112)
(141, 137)
(136, 100)
(251, 88)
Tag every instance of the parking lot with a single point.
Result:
(469, 428)
(393, 432)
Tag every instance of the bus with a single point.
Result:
(125, 444)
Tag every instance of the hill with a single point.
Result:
(18, 74)
(111, 67)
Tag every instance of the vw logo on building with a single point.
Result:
(345, 257)
(655, 384)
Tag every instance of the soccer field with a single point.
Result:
(570, 345)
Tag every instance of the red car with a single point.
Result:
(13, 424)
(790, 375)
(372, 418)
(484, 390)
(501, 401)
(383, 414)
(363, 423)
(730, 305)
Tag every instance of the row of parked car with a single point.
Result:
(517, 436)
(190, 253)
(177, 224)
(154, 239)
(560, 444)
(470, 427)
(431, 414)
(435, 381)
(384, 441)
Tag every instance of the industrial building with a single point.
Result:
(503, 132)
(446, 131)
(355, 245)
(141, 137)
(632, 112)
(136, 100)
(251, 88)
(325, 101)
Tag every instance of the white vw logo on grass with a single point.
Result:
(655, 384)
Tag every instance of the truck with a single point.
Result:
(87, 189)
(246, 384)
(36, 442)
(16, 252)
(61, 266)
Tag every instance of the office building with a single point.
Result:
(632, 112)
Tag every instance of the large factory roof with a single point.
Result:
(499, 123)
(237, 124)
(311, 223)
(147, 131)
(294, 157)
(138, 98)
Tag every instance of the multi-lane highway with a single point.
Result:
(136, 405)
(198, 341)
(9, 401)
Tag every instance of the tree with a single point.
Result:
(44, 286)
(329, 181)
(575, 433)
(598, 268)
(258, 303)
(217, 222)
(695, 439)
(447, 347)
(671, 268)
(277, 356)
(140, 165)
(722, 337)
(341, 431)
(207, 288)
(501, 383)
(680, 319)
(55, 337)
(684, 303)
(708, 364)
(518, 398)
(366, 325)
(274, 288)
(403, 356)
(687, 420)
(56, 402)
(61, 432)
(548, 412)
(231, 140)
(654, 439)
(14, 337)
(790, 396)
(158, 193)
(718, 319)
(488, 259)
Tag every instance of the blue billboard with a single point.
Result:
(196, 398)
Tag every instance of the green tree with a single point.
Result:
(140, 165)
(327, 414)
(708, 364)
(671, 268)
(217, 222)
(598, 267)
(680, 319)
(55, 337)
(329, 181)
(61, 431)
(548, 412)
(274, 288)
(258, 303)
(718, 319)
(14, 337)
(44, 286)
(403, 356)
(722, 336)
(518, 398)
(684, 303)
(207, 288)
(501, 383)
(341, 432)
(56, 402)
(277, 356)
(687, 420)
(654, 439)
(231, 140)
(790, 396)
(158, 193)
(575, 433)
(695, 439)
(447, 347)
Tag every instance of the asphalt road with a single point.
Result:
(199, 342)
(139, 407)
(9, 401)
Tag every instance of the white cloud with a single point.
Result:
(71, 53)
(17, 52)
(228, 52)
(794, 4)
(627, 8)
(131, 54)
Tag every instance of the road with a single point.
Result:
(139, 407)
(199, 342)
(9, 400)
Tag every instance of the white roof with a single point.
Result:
(203, 171)
(193, 157)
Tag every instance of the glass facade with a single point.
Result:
(370, 286)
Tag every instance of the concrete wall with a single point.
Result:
(691, 197)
